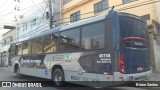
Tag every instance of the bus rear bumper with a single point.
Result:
(130, 78)
(138, 76)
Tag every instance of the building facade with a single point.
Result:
(158, 10)
(37, 19)
(8, 37)
(74, 10)
(1, 47)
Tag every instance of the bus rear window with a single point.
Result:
(133, 32)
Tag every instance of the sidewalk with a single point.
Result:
(154, 77)
(8, 68)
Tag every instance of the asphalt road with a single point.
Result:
(6, 75)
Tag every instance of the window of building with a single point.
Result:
(75, 16)
(101, 6)
(50, 43)
(69, 40)
(93, 36)
(66, 1)
(33, 22)
(37, 45)
(127, 1)
(26, 47)
(25, 26)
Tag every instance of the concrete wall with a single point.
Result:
(157, 56)
(5, 51)
(26, 18)
(158, 11)
(1, 47)
(7, 35)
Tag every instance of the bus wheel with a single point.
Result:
(18, 72)
(58, 77)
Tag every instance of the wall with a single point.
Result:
(158, 10)
(26, 18)
(1, 44)
(88, 6)
(6, 46)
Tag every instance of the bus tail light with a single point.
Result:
(134, 39)
(122, 65)
(135, 42)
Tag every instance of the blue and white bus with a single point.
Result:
(110, 47)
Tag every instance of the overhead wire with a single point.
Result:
(21, 10)
(34, 31)
(8, 6)
(105, 8)
(31, 33)
(3, 3)
(121, 9)
(36, 6)
(27, 20)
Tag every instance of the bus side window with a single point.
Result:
(19, 49)
(26, 47)
(50, 43)
(93, 36)
(87, 43)
(37, 45)
(69, 40)
(96, 45)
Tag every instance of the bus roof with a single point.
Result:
(46, 32)
(65, 27)
(83, 22)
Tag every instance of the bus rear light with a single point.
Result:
(122, 65)
(134, 39)
(108, 73)
(139, 68)
(135, 42)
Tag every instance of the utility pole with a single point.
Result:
(50, 12)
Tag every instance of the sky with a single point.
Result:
(6, 6)
(8, 12)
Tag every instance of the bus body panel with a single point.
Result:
(97, 65)
(134, 44)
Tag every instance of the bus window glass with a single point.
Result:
(37, 45)
(19, 48)
(27, 47)
(50, 43)
(12, 50)
(93, 36)
(133, 32)
(69, 40)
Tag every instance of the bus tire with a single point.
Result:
(18, 72)
(58, 77)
